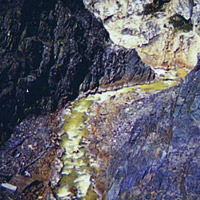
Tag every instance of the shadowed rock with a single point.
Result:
(47, 51)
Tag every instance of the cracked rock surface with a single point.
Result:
(48, 52)
(150, 145)
(154, 28)
(28, 159)
(147, 146)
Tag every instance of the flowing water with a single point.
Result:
(80, 167)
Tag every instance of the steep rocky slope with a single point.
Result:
(139, 142)
(164, 32)
(48, 49)
(152, 145)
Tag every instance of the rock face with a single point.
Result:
(149, 147)
(147, 144)
(48, 51)
(88, 137)
(164, 32)
(28, 159)
(161, 158)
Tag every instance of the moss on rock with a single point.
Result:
(156, 6)
(180, 23)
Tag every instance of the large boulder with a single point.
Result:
(164, 32)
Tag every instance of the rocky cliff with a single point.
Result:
(165, 33)
(51, 49)
(148, 148)
(96, 92)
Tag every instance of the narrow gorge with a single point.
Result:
(100, 99)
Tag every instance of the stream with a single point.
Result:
(81, 165)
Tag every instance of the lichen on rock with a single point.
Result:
(150, 27)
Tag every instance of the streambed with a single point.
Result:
(82, 165)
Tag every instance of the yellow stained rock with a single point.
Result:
(79, 164)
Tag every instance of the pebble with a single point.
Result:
(9, 187)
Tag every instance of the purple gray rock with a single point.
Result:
(161, 159)
(46, 54)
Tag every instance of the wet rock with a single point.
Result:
(147, 145)
(120, 67)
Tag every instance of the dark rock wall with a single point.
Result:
(47, 49)
(50, 49)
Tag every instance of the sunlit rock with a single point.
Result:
(183, 8)
(170, 51)
(164, 32)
